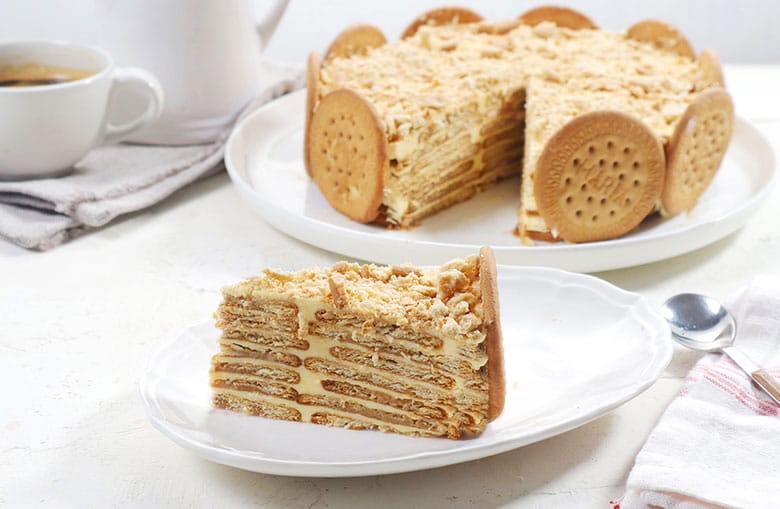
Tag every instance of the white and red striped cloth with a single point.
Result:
(718, 443)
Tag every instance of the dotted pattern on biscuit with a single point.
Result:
(696, 149)
(348, 154)
(599, 176)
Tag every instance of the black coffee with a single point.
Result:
(34, 75)
(31, 83)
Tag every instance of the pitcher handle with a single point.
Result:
(267, 26)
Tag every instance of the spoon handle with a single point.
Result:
(768, 383)
(763, 379)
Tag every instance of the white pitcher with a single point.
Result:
(206, 54)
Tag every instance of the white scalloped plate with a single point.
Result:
(264, 160)
(575, 346)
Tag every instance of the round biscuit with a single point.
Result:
(354, 39)
(441, 16)
(312, 93)
(662, 35)
(488, 282)
(561, 16)
(710, 70)
(696, 149)
(348, 154)
(599, 176)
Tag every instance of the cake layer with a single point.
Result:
(463, 160)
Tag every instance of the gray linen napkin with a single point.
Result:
(117, 179)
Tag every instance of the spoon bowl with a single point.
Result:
(702, 323)
(699, 322)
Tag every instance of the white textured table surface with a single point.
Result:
(79, 323)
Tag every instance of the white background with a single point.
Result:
(743, 31)
(79, 323)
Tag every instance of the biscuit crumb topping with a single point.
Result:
(445, 298)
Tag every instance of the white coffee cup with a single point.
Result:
(206, 53)
(47, 128)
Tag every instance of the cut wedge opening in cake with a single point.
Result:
(459, 103)
(390, 348)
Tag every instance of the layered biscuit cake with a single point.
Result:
(614, 125)
(390, 348)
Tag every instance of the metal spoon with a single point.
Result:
(702, 323)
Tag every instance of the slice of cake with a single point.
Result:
(390, 348)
